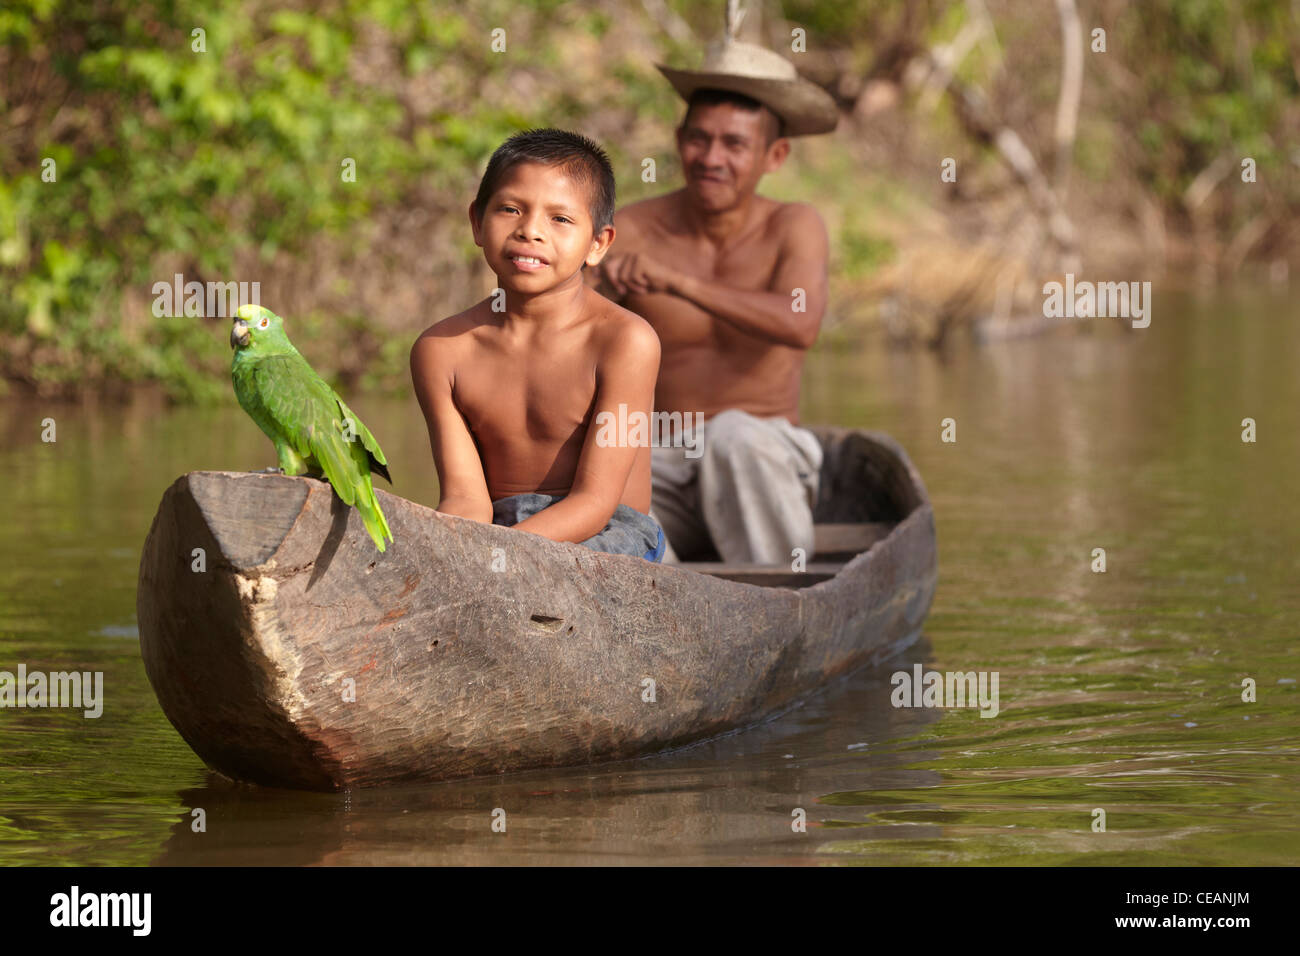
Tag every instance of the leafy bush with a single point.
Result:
(216, 155)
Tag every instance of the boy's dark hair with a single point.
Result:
(574, 154)
(773, 125)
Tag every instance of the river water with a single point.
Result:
(1119, 691)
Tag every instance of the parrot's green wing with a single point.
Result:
(283, 391)
(378, 463)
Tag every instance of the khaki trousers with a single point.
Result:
(749, 494)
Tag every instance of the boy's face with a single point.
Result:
(538, 212)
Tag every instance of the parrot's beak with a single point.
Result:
(239, 334)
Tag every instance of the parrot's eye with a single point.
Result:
(264, 323)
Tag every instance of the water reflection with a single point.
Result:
(726, 800)
(1120, 691)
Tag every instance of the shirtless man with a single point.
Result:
(736, 286)
(510, 394)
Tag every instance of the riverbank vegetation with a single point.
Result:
(329, 153)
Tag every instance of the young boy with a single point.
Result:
(511, 393)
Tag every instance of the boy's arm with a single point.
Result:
(462, 488)
(625, 376)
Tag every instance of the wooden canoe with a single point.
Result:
(301, 657)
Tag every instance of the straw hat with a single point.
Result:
(804, 107)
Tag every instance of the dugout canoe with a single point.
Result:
(290, 653)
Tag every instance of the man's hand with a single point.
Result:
(637, 272)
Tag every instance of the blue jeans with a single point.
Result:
(628, 532)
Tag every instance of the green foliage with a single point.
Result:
(833, 22)
(209, 163)
(224, 165)
(1217, 77)
(861, 253)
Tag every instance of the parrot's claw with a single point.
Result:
(270, 471)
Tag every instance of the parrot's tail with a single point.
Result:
(372, 516)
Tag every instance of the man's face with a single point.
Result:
(724, 154)
(542, 214)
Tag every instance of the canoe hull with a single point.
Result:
(301, 657)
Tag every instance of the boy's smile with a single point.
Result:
(526, 261)
(537, 222)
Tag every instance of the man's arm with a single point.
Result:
(626, 378)
(462, 487)
(769, 314)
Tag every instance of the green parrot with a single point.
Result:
(313, 431)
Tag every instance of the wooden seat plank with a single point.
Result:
(765, 575)
(846, 540)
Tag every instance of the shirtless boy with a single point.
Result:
(510, 396)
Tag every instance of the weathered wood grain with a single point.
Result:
(459, 669)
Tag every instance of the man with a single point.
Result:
(735, 285)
